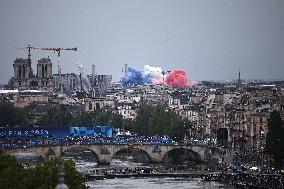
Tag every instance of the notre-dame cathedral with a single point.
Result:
(24, 78)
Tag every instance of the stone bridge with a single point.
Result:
(105, 151)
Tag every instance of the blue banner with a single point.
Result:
(103, 131)
(59, 131)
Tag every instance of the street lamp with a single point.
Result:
(61, 184)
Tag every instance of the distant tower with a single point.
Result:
(125, 70)
(239, 83)
(93, 71)
(94, 76)
(44, 68)
(44, 74)
(93, 80)
(22, 73)
(163, 73)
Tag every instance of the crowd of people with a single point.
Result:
(20, 142)
(28, 142)
(122, 171)
(143, 170)
(249, 180)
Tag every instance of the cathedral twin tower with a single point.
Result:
(24, 78)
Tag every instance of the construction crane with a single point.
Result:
(29, 48)
(58, 50)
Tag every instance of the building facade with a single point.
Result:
(24, 79)
(69, 82)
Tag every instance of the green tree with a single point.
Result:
(43, 176)
(116, 120)
(84, 119)
(57, 116)
(275, 139)
(100, 117)
(103, 117)
(11, 116)
(142, 119)
(155, 120)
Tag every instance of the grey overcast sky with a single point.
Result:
(211, 40)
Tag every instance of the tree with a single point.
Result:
(11, 116)
(84, 119)
(142, 119)
(275, 139)
(116, 120)
(43, 176)
(156, 120)
(59, 116)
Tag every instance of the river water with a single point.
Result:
(143, 183)
(155, 183)
(85, 163)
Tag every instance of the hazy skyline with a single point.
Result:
(211, 40)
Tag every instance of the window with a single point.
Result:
(42, 70)
(97, 106)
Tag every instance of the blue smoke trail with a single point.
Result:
(134, 78)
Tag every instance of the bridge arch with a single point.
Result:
(77, 152)
(180, 155)
(79, 149)
(135, 152)
(28, 157)
(44, 153)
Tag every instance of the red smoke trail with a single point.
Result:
(177, 77)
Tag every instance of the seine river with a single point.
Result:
(142, 183)
(85, 163)
(155, 183)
